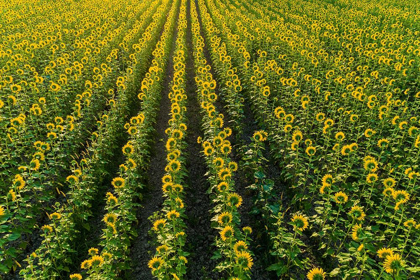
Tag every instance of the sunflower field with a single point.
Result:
(208, 139)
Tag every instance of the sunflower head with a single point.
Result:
(234, 199)
(300, 223)
(226, 233)
(155, 263)
(244, 260)
(357, 213)
(316, 274)
(384, 252)
(225, 218)
(393, 263)
(341, 198)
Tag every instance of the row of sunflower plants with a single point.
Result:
(230, 85)
(399, 196)
(267, 206)
(71, 79)
(170, 260)
(20, 211)
(232, 244)
(113, 259)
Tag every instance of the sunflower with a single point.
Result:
(383, 143)
(357, 232)
(128, 149)
(179, 203)
(85, 264)
(320, 117)
(327, 180)
(45, 228)
(96, 261)
(2, 212)
(72, 179)
(173, 214)
(371, 178)
(339, 136)
(226, 233)
(233, 166)
(369, 132)
(162, 249)
(240, 246)
(55, 216)
(371, 165)
(244, 259)
(35, 165)
(357, 213)
(297, 136)
(224, 218)
(111, 199)
(310, 151)
(247, 230)
(341, 198)
(388, 192)
(316, 274)
(225, 174)
(384, 252)
(223, 187)
(76, 276)
(410, 223)
(118, 182)
(208, 151)
(393, 263)
(300, 222)
(294, 146)
(93, 251)
(110, 218)
(234, 199)
(389, 183)
(19, 182)
(159, 224)
(401, 196)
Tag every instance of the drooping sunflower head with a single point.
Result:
(162, 249)
(234, 199)
(383, 143)
(118, 182)
(327, 180)
(93, 251)
(96, 261)
(371, 178)
(401, 196)
(110, 218)
(247, 230)
(300, 223)
(371, 165)
(55, 216)
(389, 183)
(159, 224)
(339, 136)
(410, 223)
(244, 260)
(310, 151)
(316, 274)
(155, 264)
(76, 276)
(357, 213)
(357, 232)
(226, 233)
(240, 246)
(225, 218)
(393, 263)
(384, 252)
(173, 214)
(340, 198)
